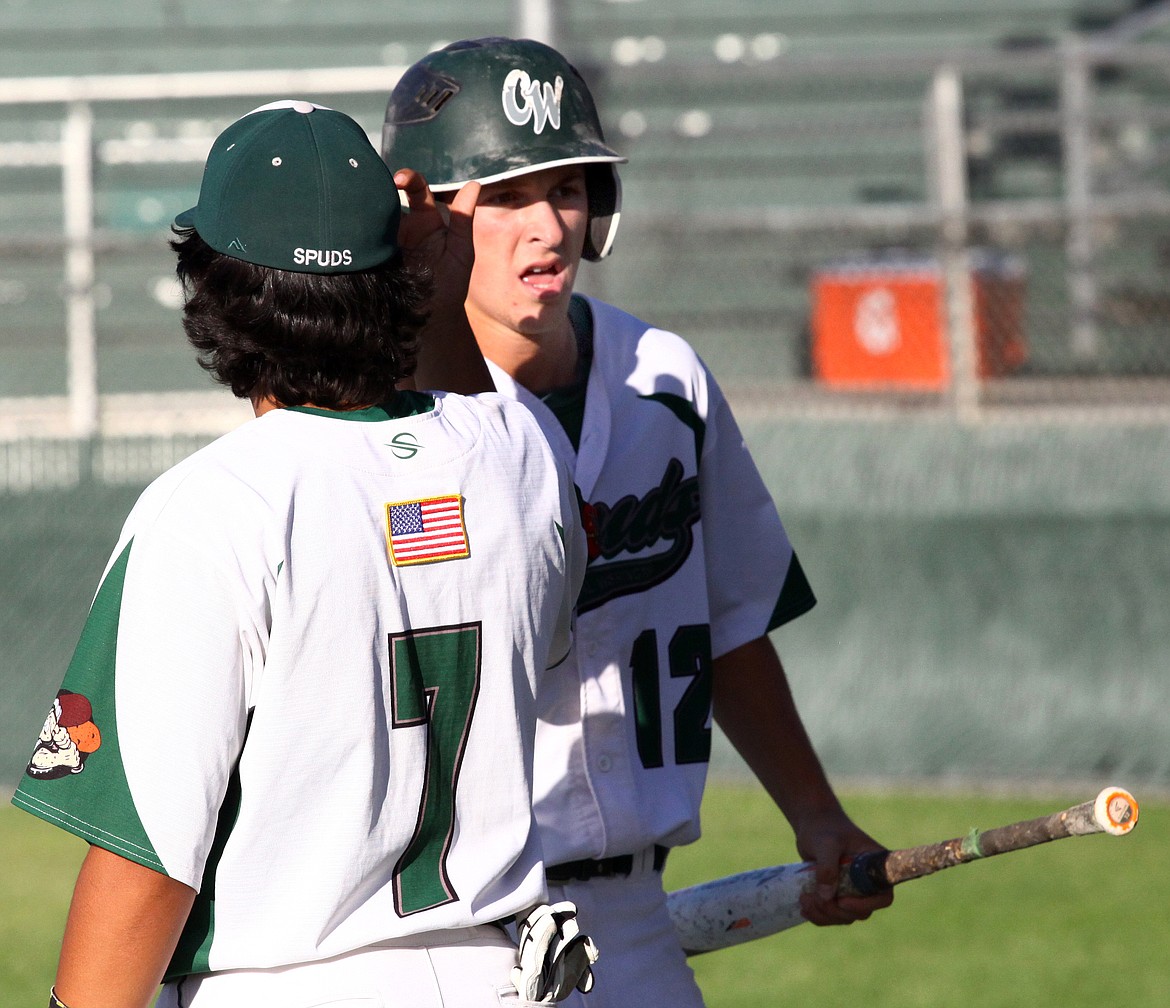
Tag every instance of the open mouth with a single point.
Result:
(543, 278)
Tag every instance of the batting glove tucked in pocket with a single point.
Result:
(554, 956)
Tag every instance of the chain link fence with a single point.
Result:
(934, 289)
(821, 221)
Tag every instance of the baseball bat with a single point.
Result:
(757, 903)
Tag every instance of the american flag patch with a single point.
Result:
(425, 531)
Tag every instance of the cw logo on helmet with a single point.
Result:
(525, 99)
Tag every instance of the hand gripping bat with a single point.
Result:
(763, 901)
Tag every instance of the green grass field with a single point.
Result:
(1080, 922)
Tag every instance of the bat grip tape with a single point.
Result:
(867, 873)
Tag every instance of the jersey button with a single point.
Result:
(604, 763)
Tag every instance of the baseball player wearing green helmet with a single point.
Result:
(690, 567)
(298, 728)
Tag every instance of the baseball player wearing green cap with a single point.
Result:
(690, 566)
(298, 728)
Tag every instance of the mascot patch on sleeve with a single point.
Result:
(67, 738)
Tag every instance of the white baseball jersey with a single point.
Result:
(693, 562)
(306, 686)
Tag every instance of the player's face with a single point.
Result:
(529, 235)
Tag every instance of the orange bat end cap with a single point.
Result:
(1116, 811)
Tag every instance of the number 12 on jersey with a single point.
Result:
(688, 655)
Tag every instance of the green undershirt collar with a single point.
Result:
(405, 403)
(568, 402)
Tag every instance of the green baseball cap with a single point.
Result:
(297, 187)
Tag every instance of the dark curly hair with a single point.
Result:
(337, 341)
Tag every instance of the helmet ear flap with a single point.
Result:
(604, 189)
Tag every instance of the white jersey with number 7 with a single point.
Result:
(306, 686)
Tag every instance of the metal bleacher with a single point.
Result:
(159, 36)
(839, 27)
(771, 104)
(681, 85)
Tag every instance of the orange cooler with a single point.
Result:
(881, 321)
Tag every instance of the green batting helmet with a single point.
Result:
(487, 109)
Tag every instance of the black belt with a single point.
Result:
(589, 868)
